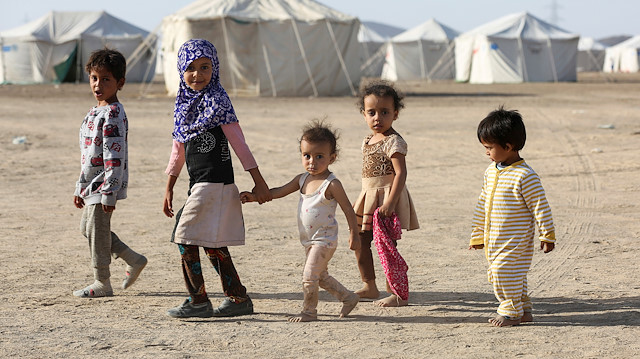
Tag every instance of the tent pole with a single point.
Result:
(226, 45)
(342, 64)
(79, 62)
(421, 60)
(304, 57)
(523, 65)
(268, 64)
(553, 62)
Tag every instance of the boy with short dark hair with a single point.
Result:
(511, 204)
(104, 173)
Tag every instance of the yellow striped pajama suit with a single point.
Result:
(510, 205)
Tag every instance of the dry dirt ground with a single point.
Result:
(583, 140)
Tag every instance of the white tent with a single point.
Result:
(623, 57)
(56, 47)
(516, 48)
(270, 47)
(590, 55)
(423, 52)
(371, 42)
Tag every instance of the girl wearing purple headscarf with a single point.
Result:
(205, 124)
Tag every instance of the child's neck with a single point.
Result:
(323, 175)
(511, 160)
(379, 136)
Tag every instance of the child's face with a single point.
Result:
(198, 74)
(104, 86)
(316, 157)
(379, 112)
(499, 154)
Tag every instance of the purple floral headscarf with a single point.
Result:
(197, 111)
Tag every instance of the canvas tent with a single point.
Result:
(623, 57)
(590, 55)
(516, 48)
(371, 42)
(270, 47)
(423, 52)
(55, 47)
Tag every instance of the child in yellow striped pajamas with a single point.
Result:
(511, 204)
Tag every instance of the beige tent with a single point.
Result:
(55, 47)
(270, 47)
(516, 48)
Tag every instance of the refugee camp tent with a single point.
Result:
(423, 52)
(371, 42)
(516, 48)
(55, 47)
(270, 47)
(590, 55)
(623, 57)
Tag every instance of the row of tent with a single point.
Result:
(298, 48)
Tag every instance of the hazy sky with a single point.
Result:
(593, 18)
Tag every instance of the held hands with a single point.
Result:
(261, 193)
(246, 197)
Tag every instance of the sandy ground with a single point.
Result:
(586, 293)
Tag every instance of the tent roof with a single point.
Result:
(367, 34)
(59, 27)
(588, 43)
(521, 25)
(260, 10)
(633, 42)
(429, 30)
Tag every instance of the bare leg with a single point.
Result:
(500, 321)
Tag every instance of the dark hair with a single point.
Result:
(381, 88)
(108, 59)
(503, 127)
(317, 131)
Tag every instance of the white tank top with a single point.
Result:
(317, 216)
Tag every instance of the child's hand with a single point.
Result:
(78, 202)
(262, 193)
(246, 197)
(108, 209)
(476, 246)
(167, 206)
(385, 210)
(547, 247)
(354, 241)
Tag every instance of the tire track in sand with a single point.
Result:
(577, 226)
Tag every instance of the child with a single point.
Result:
(320, 192)
(512, 201)
(104, 173)
(384, 173)
(204, 125)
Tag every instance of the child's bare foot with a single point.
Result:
(526, 318)
(500, 321)
(391, 301)
(369, 290)
(349, 304)
(302, 317)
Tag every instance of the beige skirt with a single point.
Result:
(211, 217)
(374, 191)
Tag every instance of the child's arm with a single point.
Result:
(277, 192)
(400, 168)
(234, 135)
(167, 207)
(335, 190)
(477, 233)
(536, 200)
